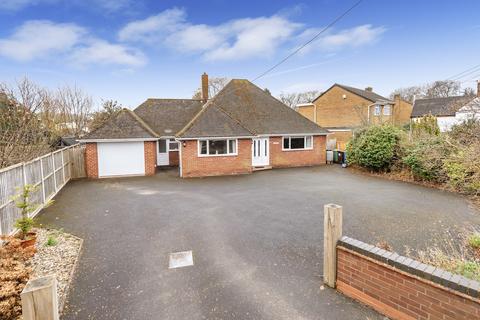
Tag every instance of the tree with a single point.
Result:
(443, 89)
(109, 108)
(75, 107)
(292, 99)
(23, 135)
(436, 89)
(214, 87)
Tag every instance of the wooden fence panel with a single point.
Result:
(49, 173)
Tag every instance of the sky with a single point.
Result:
(131, 50)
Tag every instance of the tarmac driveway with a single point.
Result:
(256, 241)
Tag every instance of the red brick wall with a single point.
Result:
(150, 149)
(91, 160)
(397, 294)
(173, 158)
(300, 158)
(195, 166)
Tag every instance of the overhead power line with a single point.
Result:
(308, 42)
(464, 73)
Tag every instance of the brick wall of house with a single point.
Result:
(300, 158)
(353, 111)
(150, 150)
(307, 112)
(91, 160)
(173, 158)
(195, 166)
(334, 111)
(341, 138)
(402, 288)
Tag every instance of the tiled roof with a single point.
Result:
(168, 116)
(439, 106)
(123, 125)
(369, 95)
(253, 110)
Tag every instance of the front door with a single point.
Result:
(260, 152)
(162, 152)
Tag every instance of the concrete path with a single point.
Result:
(256, 241)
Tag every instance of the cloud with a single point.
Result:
(103, 52)
(41, 39)
(108, 5)
(154, 27)
(336, 40)
(232, 40)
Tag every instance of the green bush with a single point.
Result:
(426, 125)
(474, 240)
(376, 147)
(425, 158)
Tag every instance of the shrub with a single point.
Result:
(463, 168)
(376, 147)
(425, 158)
(474, 240)
(426, 125)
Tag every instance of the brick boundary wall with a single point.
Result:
(91, 160)
(403, 288)
(150, 150)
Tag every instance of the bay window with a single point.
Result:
(298, 143)
(217, 147)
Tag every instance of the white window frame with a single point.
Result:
(377, 110)
(290, 143)
(389, 110)
(170, 141)
(228, 154)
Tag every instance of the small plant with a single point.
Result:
(22, 201)
(474, 240)
(382, 244)
(51, 241)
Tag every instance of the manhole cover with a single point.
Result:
(180, 259)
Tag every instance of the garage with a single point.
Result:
(121, 158)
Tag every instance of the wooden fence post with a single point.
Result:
(39, 299)
(332, 232)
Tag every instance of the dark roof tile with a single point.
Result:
(439, 106)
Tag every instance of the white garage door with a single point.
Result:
(120, 158)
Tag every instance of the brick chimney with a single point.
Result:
(478, 88)
(369, 89)
(204, 87)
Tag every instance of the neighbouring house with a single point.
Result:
(342, 109)
(240, 130)
(448, 111)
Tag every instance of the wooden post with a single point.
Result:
(39, 299)
(332, 232)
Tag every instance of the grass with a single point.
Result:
(51, 241)
(459, 255)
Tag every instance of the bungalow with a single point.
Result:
(240, 130)
(448, 111)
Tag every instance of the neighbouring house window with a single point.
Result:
(173, 145)
(387, 110)
(378, 110)
(297, 143)
(217, 147)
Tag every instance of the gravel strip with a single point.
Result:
(59, 259)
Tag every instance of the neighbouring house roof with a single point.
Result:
(243, 109)
(168, 116)
(124, 125)
(439, 107)
(369, 95)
